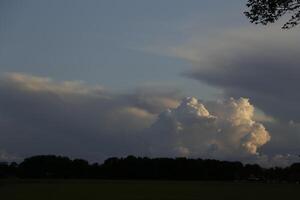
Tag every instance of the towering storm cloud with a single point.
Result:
(41, 116)
(227, 131)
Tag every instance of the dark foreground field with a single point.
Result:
(80, 190)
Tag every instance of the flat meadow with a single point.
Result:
(170, 190)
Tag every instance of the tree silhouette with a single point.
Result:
(269, 11)
(143, 168)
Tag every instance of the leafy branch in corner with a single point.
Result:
(269, 11)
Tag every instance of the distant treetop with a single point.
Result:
(269, 11)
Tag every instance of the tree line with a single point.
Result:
(59, 167)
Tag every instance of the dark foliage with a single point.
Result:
(50, 166)
(53, 167)
(8, 170)
(269, 11)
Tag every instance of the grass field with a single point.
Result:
(160, 190)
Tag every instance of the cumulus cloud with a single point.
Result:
(259, 63)
(227, 132)
(39, 115)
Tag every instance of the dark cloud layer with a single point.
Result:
(40, 116)
(262, 65)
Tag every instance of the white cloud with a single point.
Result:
(45, 84)
(228, 132)
(42, 116)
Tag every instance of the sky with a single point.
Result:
(95, 79)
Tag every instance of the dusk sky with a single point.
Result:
(172, 78)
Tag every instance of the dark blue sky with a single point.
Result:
(100, 78)
(102, 42)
